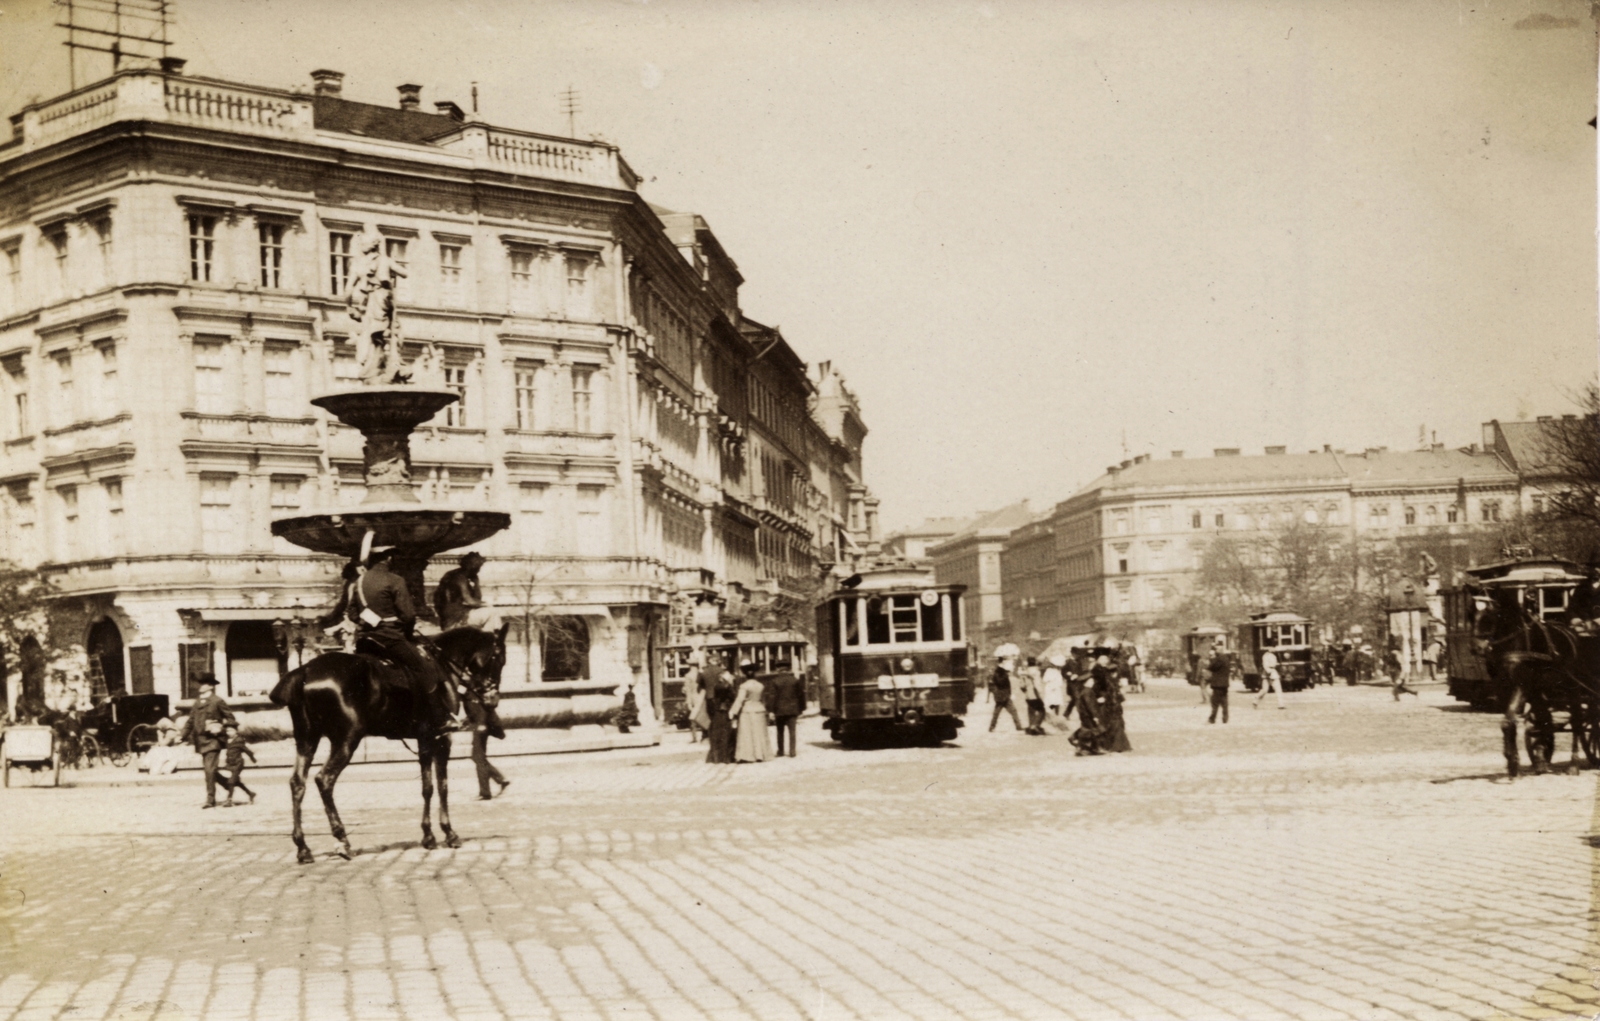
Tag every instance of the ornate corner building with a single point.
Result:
(175, 253)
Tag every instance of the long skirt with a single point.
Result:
(754, 744)
(720, 736)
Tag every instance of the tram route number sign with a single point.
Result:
(887, 681)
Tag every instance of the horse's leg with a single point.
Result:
(1541, 733)
(425, 754)
(339, 754)
(304, 749)
(1508, 731)
(442, 765)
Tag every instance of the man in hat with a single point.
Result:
(786, 700)
(1218, 671)
(459, 600)
(209, 718)
(383, 613)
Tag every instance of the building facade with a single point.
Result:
(972, 557)
(176, 253)
(1121, 555)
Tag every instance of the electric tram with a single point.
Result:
(723, 650)
(892, 659)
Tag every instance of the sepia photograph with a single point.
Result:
(942, 509)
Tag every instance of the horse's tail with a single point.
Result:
(288, 690)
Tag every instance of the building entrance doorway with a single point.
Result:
(105, 641)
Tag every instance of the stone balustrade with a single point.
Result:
(249, 429)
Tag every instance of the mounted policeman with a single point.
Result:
(385, 616)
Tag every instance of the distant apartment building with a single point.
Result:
(914, 543)
(971, 557)
(1121, 554)
(175, 254)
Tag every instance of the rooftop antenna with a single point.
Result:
(126, 29)
(569, 106)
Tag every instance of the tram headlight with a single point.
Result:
(908, 664)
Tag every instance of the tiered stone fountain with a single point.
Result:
(386, 416)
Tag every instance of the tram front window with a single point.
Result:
(955, 617)
(933, 621)
(852, 621)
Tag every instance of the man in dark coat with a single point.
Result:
(209, 719)
(384, 614)
(786, 700)
(1000, 691)
(1219, 670)
(719, 732)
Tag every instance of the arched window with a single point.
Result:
(105, 641)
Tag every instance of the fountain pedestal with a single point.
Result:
(386, 418)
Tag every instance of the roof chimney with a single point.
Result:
(1225, 452)
(1278, 450)
(410, 97)
(1126, 463)
(1112, 469)
(450, 110)
(327, 83)
(172, 65)
(1177, 454)
(1327, 448)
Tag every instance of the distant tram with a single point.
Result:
(723, 651)
(892, 659)
(1288, 635)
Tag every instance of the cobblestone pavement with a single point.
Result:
(1349, 857)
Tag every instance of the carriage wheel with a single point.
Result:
(141, 739)
(88, 751)
(117, 758)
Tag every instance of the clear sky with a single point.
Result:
(1034, 234)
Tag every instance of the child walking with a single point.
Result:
(237, 750)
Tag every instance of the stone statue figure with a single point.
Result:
(1430, 567)
(371, 306)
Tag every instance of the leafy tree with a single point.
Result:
(28, 611)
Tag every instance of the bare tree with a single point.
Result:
(1569, 468)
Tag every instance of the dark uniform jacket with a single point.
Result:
(785, 695)
(384, 593)
(457, 593)
(195, 730)
(1220, 669)
(1000, 685)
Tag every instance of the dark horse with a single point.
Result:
(1542, 667)
(348, 696)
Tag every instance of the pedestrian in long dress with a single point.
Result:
(1108, 692)
(750, 710)
(1055, 686)
(719, 725)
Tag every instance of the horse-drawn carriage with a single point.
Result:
(125, 725)
(1519, 642)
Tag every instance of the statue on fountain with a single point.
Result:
(371, 306)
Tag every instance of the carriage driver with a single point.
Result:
(383, 613)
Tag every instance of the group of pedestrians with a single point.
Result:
(734, 711)
(1051, 692)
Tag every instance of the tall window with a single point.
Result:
(116, 533)
(1432, 514)
(208, 378)
(102, 233)
(1411, 515)
(18, 377)
(271, 235)
(398, 250)
(450, 274)
(282, 400)
(216, 513)
(58, 251)
(455, 378)
(1452, 514)
(23, 515)
(591, 520)
(12, 256)
(109, 400)
(577, 286)
(1490, 510)
(530, 516)
(66, 399)
(522, 294)
(582, 399)
(1194, 520)
(69, 521)
(202, 246)
(527, 385)
(339, 262)
(285, 493)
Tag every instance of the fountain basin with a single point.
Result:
(417, 531)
